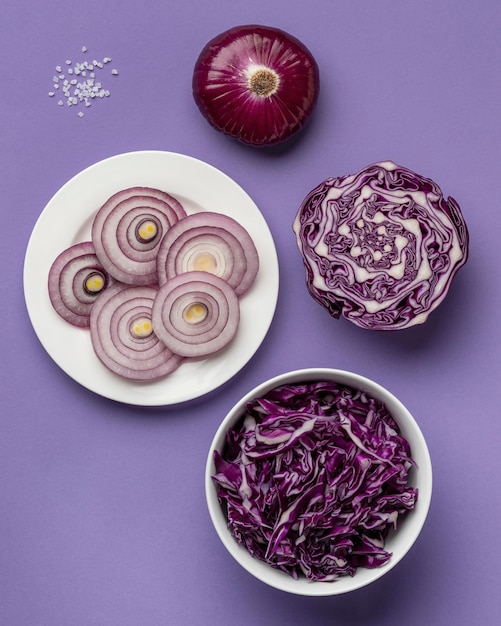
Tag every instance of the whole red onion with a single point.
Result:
(257, 84)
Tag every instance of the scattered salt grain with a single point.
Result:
(83, 87)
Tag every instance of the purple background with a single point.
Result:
(103, 518)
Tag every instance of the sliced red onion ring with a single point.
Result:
(76, 280)
(128, 229)
(123, 338)
(210, 242)
(196, 314)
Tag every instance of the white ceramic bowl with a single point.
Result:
(398, 542)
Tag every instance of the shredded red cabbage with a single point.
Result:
(312, 479)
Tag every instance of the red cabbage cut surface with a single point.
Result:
(313, 477)
(380, 247)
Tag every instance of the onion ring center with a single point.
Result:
(205, 262)
(94, 283)
(195, 313)
(141, 327)
(146, 230)
(263, 81)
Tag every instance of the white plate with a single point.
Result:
(67, 219)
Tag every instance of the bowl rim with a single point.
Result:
(407, 530)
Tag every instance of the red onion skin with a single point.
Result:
(221, 90)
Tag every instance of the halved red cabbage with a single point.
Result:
(312, 479)
(123, 338)
(127, 231)
(76, 280)
(380, 247)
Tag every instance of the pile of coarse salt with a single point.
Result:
(77, 84)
